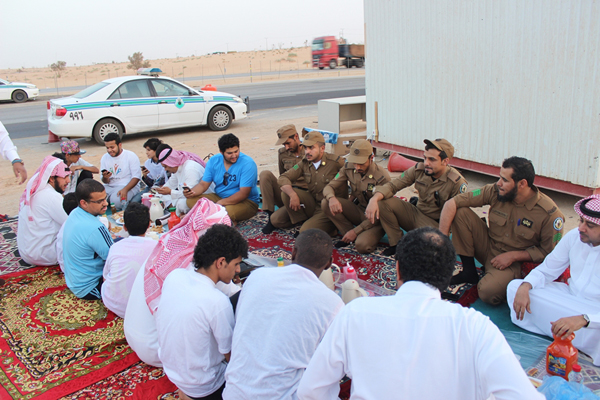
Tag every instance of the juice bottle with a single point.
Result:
(349, 272)
(561, 356)
(280, 262)
(173, 219)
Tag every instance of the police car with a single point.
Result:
(147, 102)
(18, 92)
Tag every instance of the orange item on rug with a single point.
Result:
(561, 355)
(173, 219)
(397, 163)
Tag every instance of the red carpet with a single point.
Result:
(53, 343)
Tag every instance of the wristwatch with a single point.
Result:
(587, 319)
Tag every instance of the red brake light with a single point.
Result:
(48, 104)
(61, 112)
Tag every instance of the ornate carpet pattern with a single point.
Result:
(10, 260)
(51, 342)
(374, 268)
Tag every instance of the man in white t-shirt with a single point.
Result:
(415, 345)
(195, 319)
(121, 172)
(125, 258)
(41, 213)
(186, 171)
(80, 168)
(281, 317)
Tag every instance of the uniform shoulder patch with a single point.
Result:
(463, 188)
(558, 223)
(420, 166)
(556, 238)
(454, 175)
(282, 150)
(381, 179)
(476, 192)
(337, 175)
(296, 166)
(547, 204)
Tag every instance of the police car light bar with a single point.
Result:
(149, 71)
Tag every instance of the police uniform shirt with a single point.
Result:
(287, 160)
(433, 193)
(535, 226)
(361, 186)
(316, 179)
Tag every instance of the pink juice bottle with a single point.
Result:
(349, 272)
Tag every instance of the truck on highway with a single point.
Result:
(327, 51)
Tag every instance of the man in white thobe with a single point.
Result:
(549, 308)
(41, 213)
(414, 345)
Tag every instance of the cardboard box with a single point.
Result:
(345, 141)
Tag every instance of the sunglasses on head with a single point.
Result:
(225, 178)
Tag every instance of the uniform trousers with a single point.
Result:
(470, 238)
(395, 213)
(552, 302)
(270, 190)
(310, 212)
(237, 212)
(353, 215)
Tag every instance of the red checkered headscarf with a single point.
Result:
(175, 158)
(589, 208)
(175, 249)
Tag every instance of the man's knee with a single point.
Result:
(265, 175)
(364, 246)
(492, 287)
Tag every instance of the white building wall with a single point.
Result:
(495, 77)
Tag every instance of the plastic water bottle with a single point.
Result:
(575, 374)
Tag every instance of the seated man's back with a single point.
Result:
(281, 317)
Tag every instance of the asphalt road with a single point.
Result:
(29, 119)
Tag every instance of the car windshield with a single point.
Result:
(92, 89)
(3, 82)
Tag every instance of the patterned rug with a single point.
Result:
(374, 268)
(10, 260)
(53, 343)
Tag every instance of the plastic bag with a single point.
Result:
(556, 388)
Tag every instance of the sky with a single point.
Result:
(37, 33)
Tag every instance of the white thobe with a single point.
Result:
(36, 239)
(551, 301)
(7, 149)
(415, 346)
(189, 174)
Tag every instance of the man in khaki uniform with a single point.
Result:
(363, 175)
(289, 155)
(318, 169)
(435, 181)
(524, 225)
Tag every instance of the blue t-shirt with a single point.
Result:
(86, 242)
(241, 174)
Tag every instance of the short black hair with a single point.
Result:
(86, 187)
(219, 241)
(522, 169)
(112, 137)
(228, 141)
(159, 150)
(60, 156)
(443, 154)
(70, 202)
(136, 218)
(426, 255)
(152, 143)
(313, 249)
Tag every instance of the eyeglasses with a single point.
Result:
(97, 201)
(225, 178)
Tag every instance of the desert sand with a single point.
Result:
(193, 70)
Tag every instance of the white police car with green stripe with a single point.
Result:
(18, 92)
(133, 104)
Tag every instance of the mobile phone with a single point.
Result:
(103, 171)
(186, 189)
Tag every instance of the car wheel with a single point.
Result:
(321, 67)
(332, 64)
(106, 126)
(19, 96)
(358, 64)
(219, 118)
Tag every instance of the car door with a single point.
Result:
(178, 106)
(134, 104)
(5, 91)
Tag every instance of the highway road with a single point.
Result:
(29, 119)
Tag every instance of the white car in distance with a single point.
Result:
(18, 92)
(132, 104)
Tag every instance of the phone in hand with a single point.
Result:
(186, 189)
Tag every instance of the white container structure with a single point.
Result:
(497, 78)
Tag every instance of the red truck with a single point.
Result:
(327, 51)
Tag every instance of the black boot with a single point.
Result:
(468, 274)
(389, 252)
(268, 228)
(341, 244)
